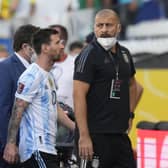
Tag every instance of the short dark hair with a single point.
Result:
(75, 44)
(23, 35)
(63, 31)
(43, 36)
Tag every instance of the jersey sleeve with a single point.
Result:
(27, 87)
(84, 66)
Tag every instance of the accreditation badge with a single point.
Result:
(115, 89)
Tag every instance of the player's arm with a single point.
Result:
(64, 119)
(80, 94)
(139, 93)
(10, 152)
(133, 93)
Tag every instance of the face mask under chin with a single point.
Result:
(107, 42)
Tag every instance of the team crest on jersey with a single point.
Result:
(125, 57)
(20, 88)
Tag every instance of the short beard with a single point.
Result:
(56, 58)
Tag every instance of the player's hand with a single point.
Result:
(11, 153)
(85, 148)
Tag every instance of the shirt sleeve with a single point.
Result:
(84, 66)
(132, 66)
(133, 71)
(27, 88)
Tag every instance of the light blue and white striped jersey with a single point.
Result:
(39, 122)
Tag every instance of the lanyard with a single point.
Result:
(115, 62)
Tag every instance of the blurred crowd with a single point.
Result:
(76, 15)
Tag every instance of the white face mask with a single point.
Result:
(107, 42)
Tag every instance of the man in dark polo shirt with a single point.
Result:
(104, 97)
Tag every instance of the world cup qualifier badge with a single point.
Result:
(20, 88)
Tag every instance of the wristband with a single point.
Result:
(132, 115)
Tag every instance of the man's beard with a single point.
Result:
(56, 57)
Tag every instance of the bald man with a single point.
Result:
(104, 97)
